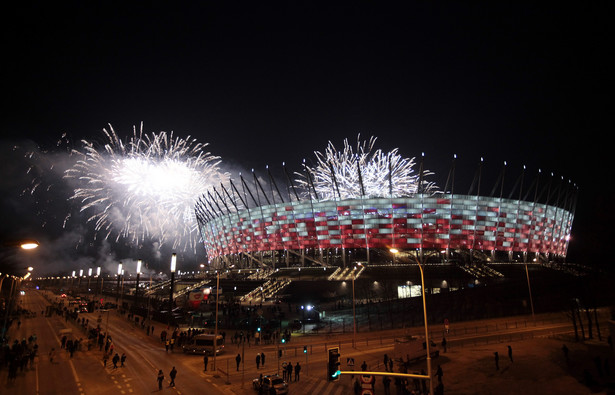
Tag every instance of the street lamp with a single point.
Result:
(97, 279)
(354, 316)
(137, 288)
(173, 266)
(420, 262)
(119, 275)
(29, 244)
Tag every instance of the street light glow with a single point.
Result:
(29, 245)
(173, 262)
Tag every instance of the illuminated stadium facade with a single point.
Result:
(440, 227)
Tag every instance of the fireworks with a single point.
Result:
(144, 189)
(363, 172)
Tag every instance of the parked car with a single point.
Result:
(267, 382)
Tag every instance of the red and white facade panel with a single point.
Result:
(429, 222)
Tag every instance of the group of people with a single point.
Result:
(287, 371)
(19, 356)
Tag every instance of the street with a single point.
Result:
(85, 373)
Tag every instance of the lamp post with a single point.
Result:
(137, 287)
(117, 291)
(89, 279)
(216, 324)
(354, 316)
(529, 288)
(173, 266)
(419, 261)
(97, 279)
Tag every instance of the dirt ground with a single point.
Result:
(539, 367)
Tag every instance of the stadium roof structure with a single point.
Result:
(347, 208)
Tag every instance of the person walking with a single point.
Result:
(497, 360)
(115, 360)
(263, 359)
(439, 373)
(52, 354)
(510, 353)
(205, 361)
(160, 378)
(444, 343)
(364, 366)
(386, 361)
(105, 359)
(122, 360)
(258, 360)
(172, 375)
(297, 371)
(290, 371)
(238, 361)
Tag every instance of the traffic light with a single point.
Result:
(283, 340)
(305, 349)
(333, 365)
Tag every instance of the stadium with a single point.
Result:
(359, 206)
(372, 216)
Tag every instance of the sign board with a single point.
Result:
(350, 361)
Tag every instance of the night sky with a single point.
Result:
(265, 82)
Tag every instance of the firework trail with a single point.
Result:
(336, 174)
(145, 188)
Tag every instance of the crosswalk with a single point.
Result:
(316, 386)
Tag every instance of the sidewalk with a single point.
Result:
(539, 367)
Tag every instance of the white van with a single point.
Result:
(204, 344)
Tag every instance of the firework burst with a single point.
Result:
(145, 188)
(364, 171)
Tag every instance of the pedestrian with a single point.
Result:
(439, 373)
(205, 361)
(238, 360)
(160, 378)
(364, 366)
(390, 364)
(258, 360)
(497, 360)
(263, 359)
(386, 361)
(510, 353)
(52, 354)
(297, 371)
(386, 383)
(290, 371)
(444, 344)
(122, 360)
(105, 359)
(115, 360)
(172, 374)
(166, 345)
